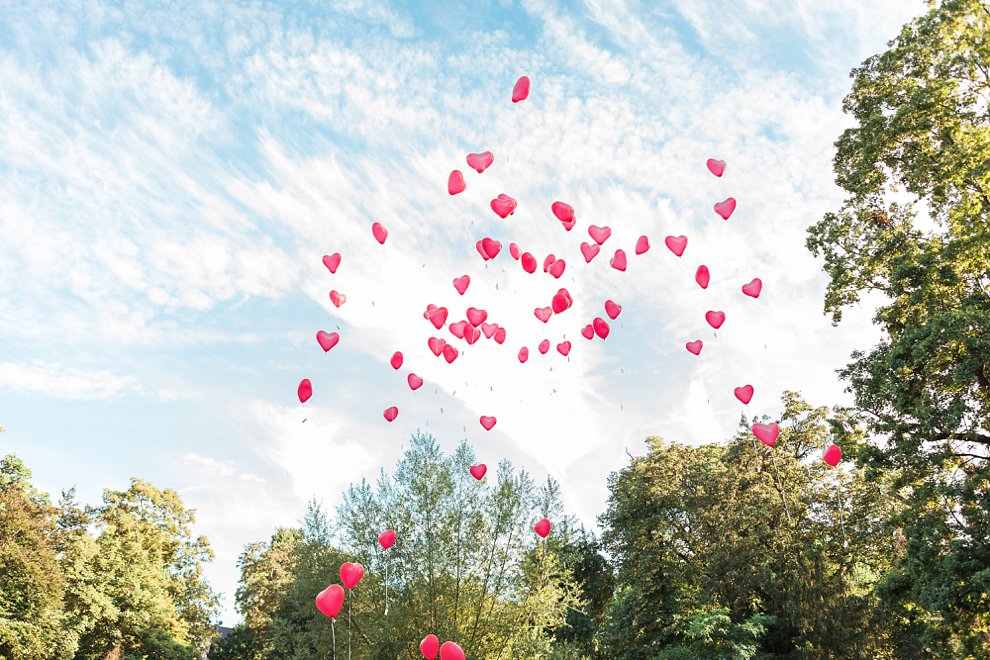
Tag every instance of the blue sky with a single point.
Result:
(171, 177)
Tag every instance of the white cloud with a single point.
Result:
(59, 381)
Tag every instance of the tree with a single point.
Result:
(923, 130)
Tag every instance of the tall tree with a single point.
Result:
(915, 227)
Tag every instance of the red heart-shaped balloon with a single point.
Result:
(436, 345)
(330, 600)
(564, 348)
(503, 205)
(415, 382)
(702, 276)
(564, 213)
(544, 346)
(588, 331)
(520, 90)
(618, 262)
(542, 528)
(327, 340)
(601, 327)
(543, 313)
(438, 317)
(716, 167)
(833, 455)
(396, 360)
(567, 294)
(557, 268)
(715, 319)
(332, 261)
(523, 354)
(612, 309)
(351, 573)
(481, 250)
(461, 283)
(450, 650)
(476, 316)
(305, 390)
(487, 422)
(559, 303)
(744, 393)
(491, 247)
(599, 234)
(337, 298)
(489, 329)
(478, 471)
(449, 353)
(767, 433)
(457, 329)
(480, 162)
(590, 251)
(500, 335)
(390, 414)
(455, 183)
(726, 208)
(429, 647)
(694, 346)
(379, 232)
(528, 262)
(676, 244)
(642, 244)
(471, 334)
(514, 251)
(753, 288)
(386, 539)
(549, 260)
(429, 310)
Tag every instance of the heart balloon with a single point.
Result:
(471, 334)
(833, 455)
(564, 213)
(455, 183)
(557, 268)
(415, 382)
(450, 650)
(487, 422)
(390, 414)
(457, 329)
(523, 354)
(480, 162)
(429, 647)
(337, 298)
(726, 208)
(481, 250)
(449, 353)
(590, 251)
(330, 600)
(676, 244)
(332, 261)
(327, 340)
(716, 167)
(642, 244)
(489, 329)
(544, 346)
(744, 393)
(612, 309)
(528, 262)
(543, 313)
(767, 433)
(499, 336)
(542, 528)
(601, 327)
(694, 346)
(514, 251)
(588, 331)
(305, 390)
(521, 90)
(476, 316)
(386, 539)
(753, 288)
(715, 319)
(504, 206)
(461, 283)
(379, 232)
(599, 234)
(564, 348)
(396, 360)
(429, 311)
(618, 262)
(478, 471)
(438, 317)
(703, 277)
(491, 247)
(559, 304)
(546, 262)
(351, 573)
(436, 345)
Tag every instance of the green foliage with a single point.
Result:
(711, 635)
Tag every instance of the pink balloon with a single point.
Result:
(500, 335)
(396, 360)
(489, 329)
(450, 650)
(429, 647)
(487, 422)
(337, 298)
(503, 205)
(528, 262)
(726, 208)
(559, 304)
(612, 309)
(471, 334)
(379, 232)
(753, 288)
(588, 331)
(833, 455)
(557, 268)
(767, 433)
(330, 600)
(429, 311)
(436, 345)
(716, 167)
(744, 393)
(351, 573)
(601, 327)
(481, 250)
(642, 244)
(327, 340)
(543, 313)
(491, 247)
(567, 294)
(476, 316)
(449, 353)
(542, 528)
(618, 262)
(544, 346)
(480, 162)
(599, 234)
(415, 382)
(694, 346)
(457, 329)
(332, 261)
(390, 414)
(438, 317)
(564, 213)
(514, 251)
(546, 262)
(523, 354)
(676, 244)
(702, 276)
(305, 390)
(564, 348)
(478, 471)
(455, 183)
(590, 251)
(521, 90)
(461, 283)
(386, 539)
(715, 319)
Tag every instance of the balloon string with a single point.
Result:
(386, 586)
(780, 487)
(351, 594)
(333, 634)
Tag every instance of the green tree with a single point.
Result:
(922, 131)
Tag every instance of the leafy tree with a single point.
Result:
(711, 635)
(923, 132)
